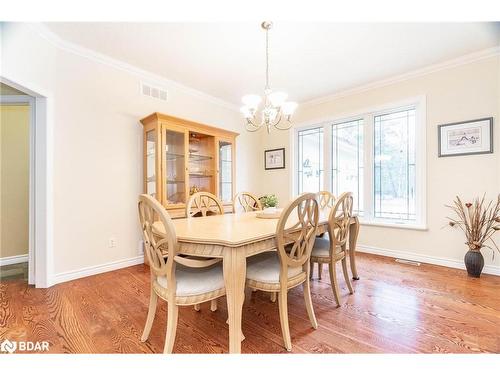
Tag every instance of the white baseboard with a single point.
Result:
(446, 262)
(13, 260)
(94, 270)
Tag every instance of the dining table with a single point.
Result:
(234, 237)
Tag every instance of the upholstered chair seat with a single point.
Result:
(265, 268)
(321, 248)
(194, 281)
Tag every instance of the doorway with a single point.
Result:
(16, 116)
(40, 252)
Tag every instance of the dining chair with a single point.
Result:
(177, 280)
(199, 204)
(325, 199)
(247, 201)
(288, 267)
(204, 203)
(334, 248)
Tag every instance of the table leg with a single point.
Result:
(353, 239)
(234, 265)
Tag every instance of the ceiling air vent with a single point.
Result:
(153, 91)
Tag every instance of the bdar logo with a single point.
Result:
(8, 346)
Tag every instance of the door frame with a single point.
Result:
(40, 256)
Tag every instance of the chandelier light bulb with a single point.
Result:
(251, 101)
(247, 112)
(288, 108)
(277, 98)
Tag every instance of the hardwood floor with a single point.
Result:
(18, 271)
(396, 308)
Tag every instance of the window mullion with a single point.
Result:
(327, 157)
(368, 191)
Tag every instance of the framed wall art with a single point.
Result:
(466, 138)
(274, 159)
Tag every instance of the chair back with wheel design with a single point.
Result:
(204, 204)
(325, 199)
(156, 247)
(296, 232)
(339, 221)
(247, 201)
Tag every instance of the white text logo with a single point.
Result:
(8, 346)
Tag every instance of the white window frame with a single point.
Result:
(368, 114)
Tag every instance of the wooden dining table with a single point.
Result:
(234, 238)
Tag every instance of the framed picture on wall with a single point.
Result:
(466, 138)
(274, 159)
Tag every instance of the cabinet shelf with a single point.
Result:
(175, 181)
(200, 175)
(171, 156)
(193, 157)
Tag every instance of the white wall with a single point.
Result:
(98, 143)
(463, 92)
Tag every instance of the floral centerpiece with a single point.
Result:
(479, 221)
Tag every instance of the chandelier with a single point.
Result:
(276, 112)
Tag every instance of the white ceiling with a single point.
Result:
(308, 60)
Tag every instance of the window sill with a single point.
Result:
(421, 227)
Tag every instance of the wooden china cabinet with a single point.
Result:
(182, 157)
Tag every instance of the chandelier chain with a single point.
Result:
(267, 59)
(275, 112)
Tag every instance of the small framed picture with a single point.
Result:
(466, 138)
(274, 159)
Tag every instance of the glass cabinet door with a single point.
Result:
(175, 167)
(151, 163)
(225, 170)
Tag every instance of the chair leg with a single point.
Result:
(153, 299)
(273, 297)
(320, 269)
(309, 305)
(333, 282)
(173, 312)
(197, 307)
(213, 305)
(311, 269)
(285, 329)
(346, 276)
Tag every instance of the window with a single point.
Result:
(347, 161)
(310, 160)
(394, 166)
(378, 155)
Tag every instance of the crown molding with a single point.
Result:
(462, 60)
(65, 45)
(43, 31)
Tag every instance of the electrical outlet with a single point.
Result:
(112, 242)
(140, 248)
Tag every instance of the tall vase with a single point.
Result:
(474, 262)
